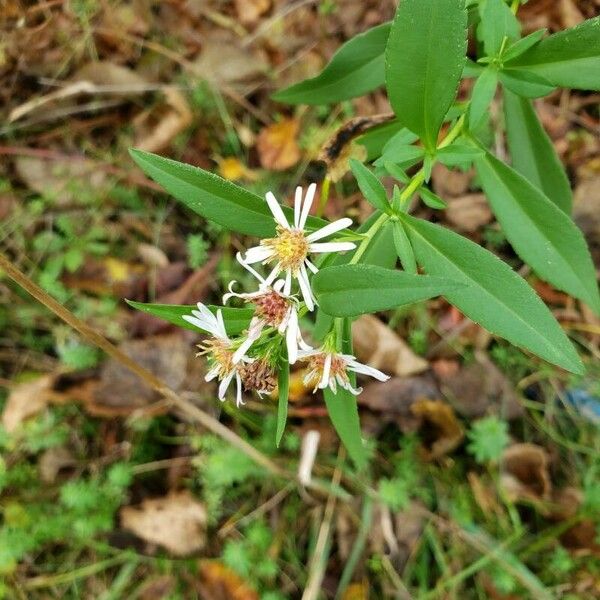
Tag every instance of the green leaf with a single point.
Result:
(458, 154)
(432, 200)
(371, 188)
(375, 139)
(482, 96)
(496, 297)
(380, 252)
(212, 197)
(396, 172)
(541, 233)
(425, 57)
(403, 248)
(522, 45)
(355, 69)
(343, 412)
(525, 83)
(497, 22)
(283, 390)
(351, 290)
(533, 153)
(570, 58)
(236, 319)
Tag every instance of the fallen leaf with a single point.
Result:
(393, 400)
(224, 62)
(106, 73)
(524, 473)
(484, 495)
(52, 461)
(376, 344)
(175, 117)
(177, 522)
(27, 399)
(440, 428)
(159, 588)
(586, 212)
(582, 536)
(233, 169)
(250, 11)
(120, 391)
(469, 213)
(450, 183)
(570, 14)
(61, 179)
(356, 591)
(277, 145)
(478, 389)
(219, 582)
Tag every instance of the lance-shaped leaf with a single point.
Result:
(497, 23)
(343, 412)
(212, 197)
(283, 391)
(355, 69)
(236, 319)
(541, 233)
(533, 153)
(570, 58)
(371, 188)
(495, 296)
(425, 57)
(351, 290)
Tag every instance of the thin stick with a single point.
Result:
(157, 384)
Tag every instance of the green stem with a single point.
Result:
(415, 183)
(324, 196)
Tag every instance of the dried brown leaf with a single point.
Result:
(219, 582)
(376, 344)
(27, 399)
(277, 145)
(525, 473)
(469, 213)
(441, 429)
(177, 522)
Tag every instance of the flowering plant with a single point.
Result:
(322, 268)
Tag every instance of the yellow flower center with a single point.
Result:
(290, 248)
(220, 354)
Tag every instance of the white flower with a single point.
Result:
(330, 369)
(220, 351)
(273, 309)
(290, 248)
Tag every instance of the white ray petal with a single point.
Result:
(221, 331)
(200, 323)
(326, 370)
(225, 384)
(331, 247)
(357, 367)
(245, 346)
(276, 210)
(297, 206)
(239, 401)
(329, 229)
(257, 254)
(212, 374)
(273, 274)
(305, 289)
(311, 266)
(249, 268)
(308, 200)
(291, 338)
(287, 288)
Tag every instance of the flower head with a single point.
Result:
(220, 351)
(291, 246)
(330, 369)
(274, 308)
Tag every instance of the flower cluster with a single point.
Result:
(282, 297)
